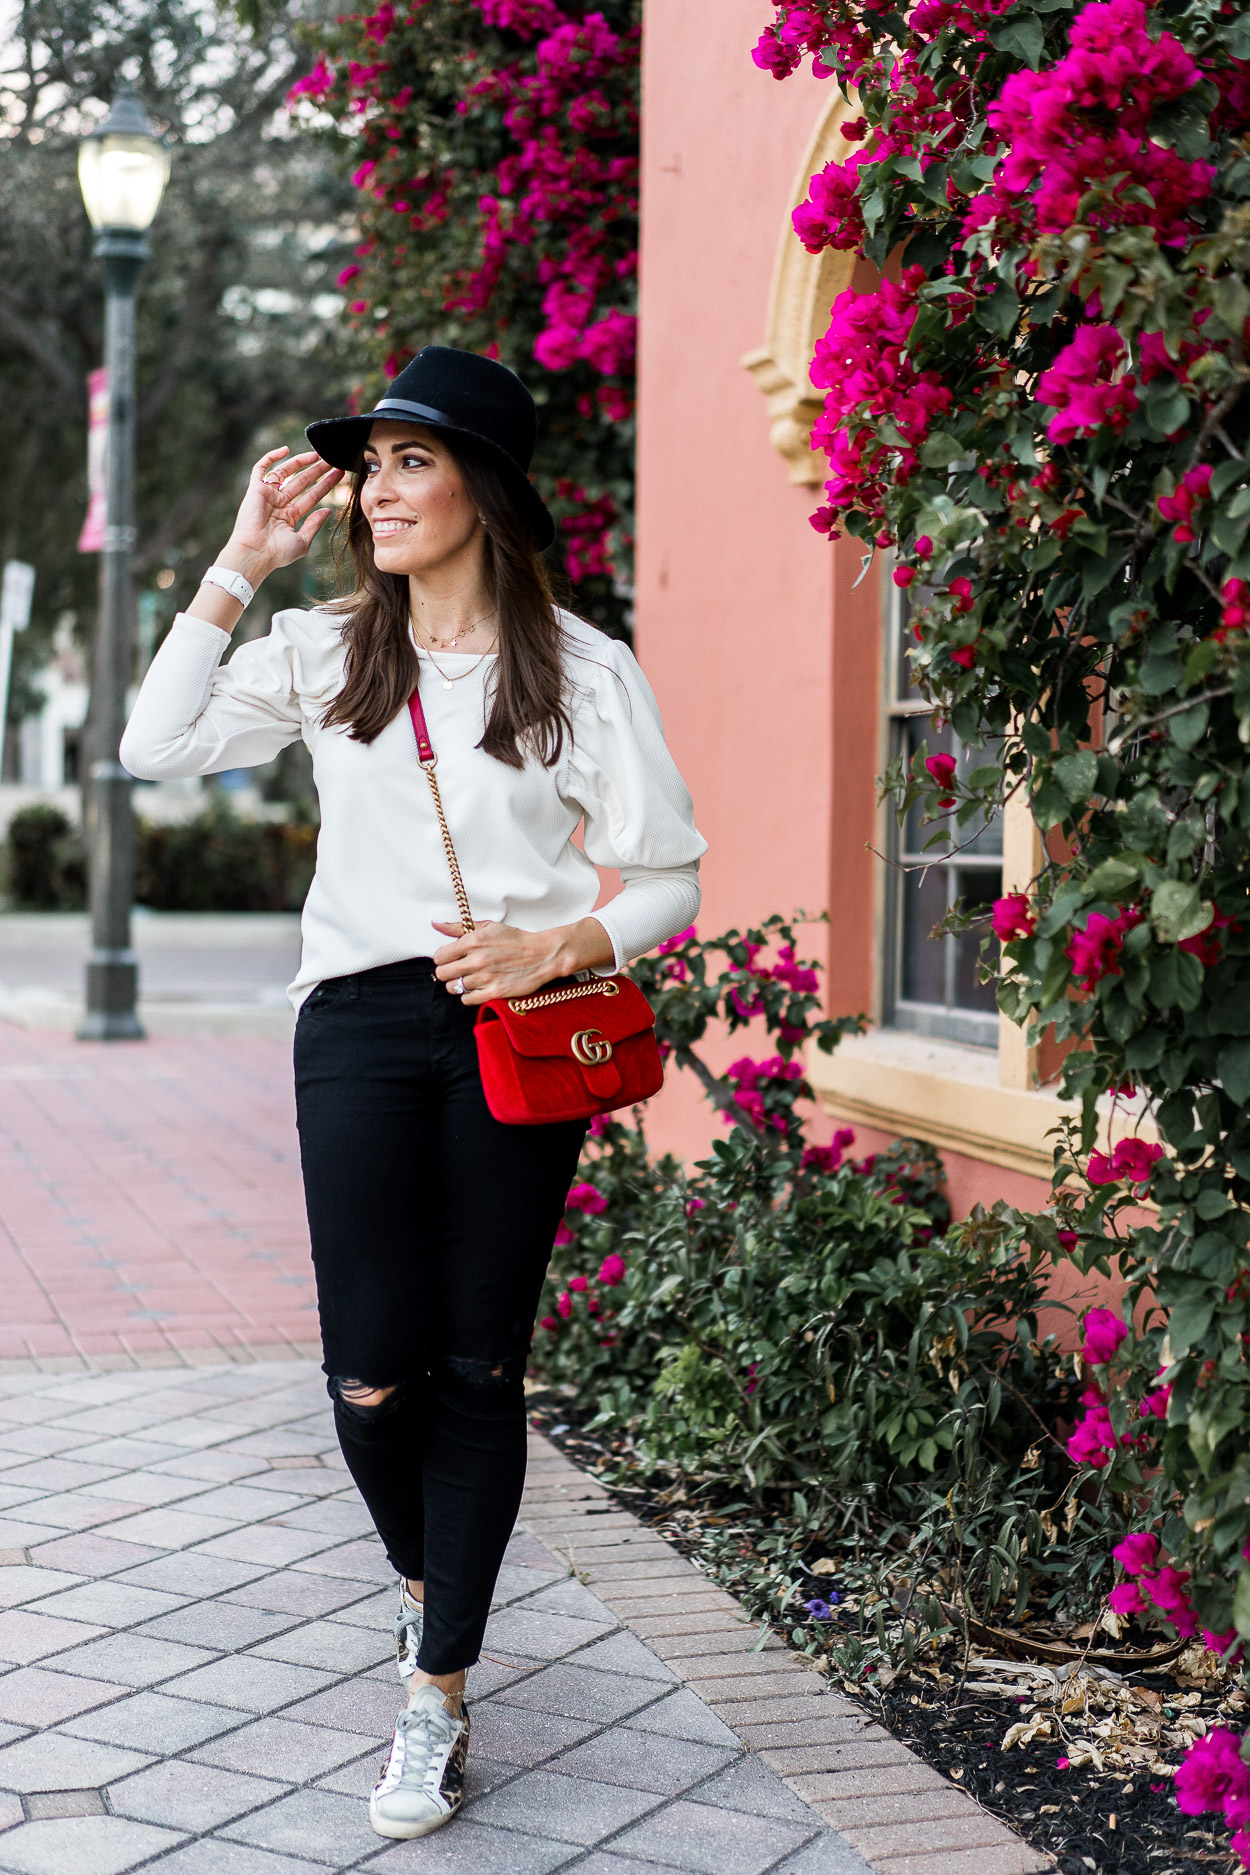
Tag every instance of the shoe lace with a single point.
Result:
(408, 1627)
(422, 1733)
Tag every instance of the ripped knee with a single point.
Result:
(482, 1373)
(363, 1401)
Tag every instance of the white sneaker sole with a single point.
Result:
(405, 1831)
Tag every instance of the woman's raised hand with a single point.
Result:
(276, 523)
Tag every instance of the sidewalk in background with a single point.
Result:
(200, 973)
(151, 1209)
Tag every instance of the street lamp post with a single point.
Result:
(122, 169)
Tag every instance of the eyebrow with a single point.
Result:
(412, 442)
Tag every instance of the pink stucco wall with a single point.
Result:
(735, 591)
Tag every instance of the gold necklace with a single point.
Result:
(448, 679)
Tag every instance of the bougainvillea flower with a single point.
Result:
(1137, 1552)
(612, 1271)
(564, 1304)
(1012, 919)
(1083, 386)
(942, 768)
(1212, 1773)
(563, 1236)
(579, 1284)
(1206, 945)
(1095, 952)
(586, 1198)
(1168, 1593)
(1104, 1331)
(1127, 1599)
(1093, 1439)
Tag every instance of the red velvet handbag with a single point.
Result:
(569, 1050)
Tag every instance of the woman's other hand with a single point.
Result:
(498, 960)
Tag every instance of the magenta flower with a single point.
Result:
(1133, 1161)
(1127, 1599)
(1137, 1553)
(579, 1283)
(1012, 918)
(1212, 1775)
(1167, 1591)
(586, 1198)
(563, 1235)
(942, 768)
(923, 547)
(1192, 490)
(564, 1304)
(1093, 1439)
(904, 575)
(1083, 388)
(612, 1271)
(550, 1323)
(1095, 952)
(1104, 1332)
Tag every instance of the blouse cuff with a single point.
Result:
(653, 905)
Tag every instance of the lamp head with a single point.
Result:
(123, 167)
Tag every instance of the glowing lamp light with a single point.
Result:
(123, 167)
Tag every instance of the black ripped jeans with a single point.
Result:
(431, 1226)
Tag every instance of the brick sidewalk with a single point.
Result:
(150, 1201)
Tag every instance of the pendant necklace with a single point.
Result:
(448, 680)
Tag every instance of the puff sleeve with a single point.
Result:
(638, 812)
(197, 716)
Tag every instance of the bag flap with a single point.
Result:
(611, 1012)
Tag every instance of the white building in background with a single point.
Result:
(48, 745)
(49, 742)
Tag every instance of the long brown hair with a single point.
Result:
(528, 704)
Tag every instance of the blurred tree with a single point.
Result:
(237, 307)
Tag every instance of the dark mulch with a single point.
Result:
(1113, 1821)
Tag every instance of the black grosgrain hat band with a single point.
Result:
(465, 395)
(402, 408)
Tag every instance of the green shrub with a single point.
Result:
(216, 862)
(46, 869)
(805, 1333)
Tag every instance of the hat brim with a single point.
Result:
(340, 441)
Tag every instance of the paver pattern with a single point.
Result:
(195, 1618)
(150, 1201)
(196, 1621)
(197, 1626)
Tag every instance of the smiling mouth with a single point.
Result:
(387, 530)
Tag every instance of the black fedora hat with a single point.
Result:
(465, 395)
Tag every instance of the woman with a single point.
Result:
(431, 1223)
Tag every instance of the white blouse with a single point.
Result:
(382, 877)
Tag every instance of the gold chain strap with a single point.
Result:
(453, 864)
(522, 1005)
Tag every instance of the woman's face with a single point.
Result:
(414, 499)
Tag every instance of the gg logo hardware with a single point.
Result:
(591, 1046)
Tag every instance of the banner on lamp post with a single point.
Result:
(91, 540)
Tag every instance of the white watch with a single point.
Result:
(231, 582)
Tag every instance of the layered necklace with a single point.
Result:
(449, 678)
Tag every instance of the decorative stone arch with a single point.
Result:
(804, 286)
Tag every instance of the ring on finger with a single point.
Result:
(457, 988)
